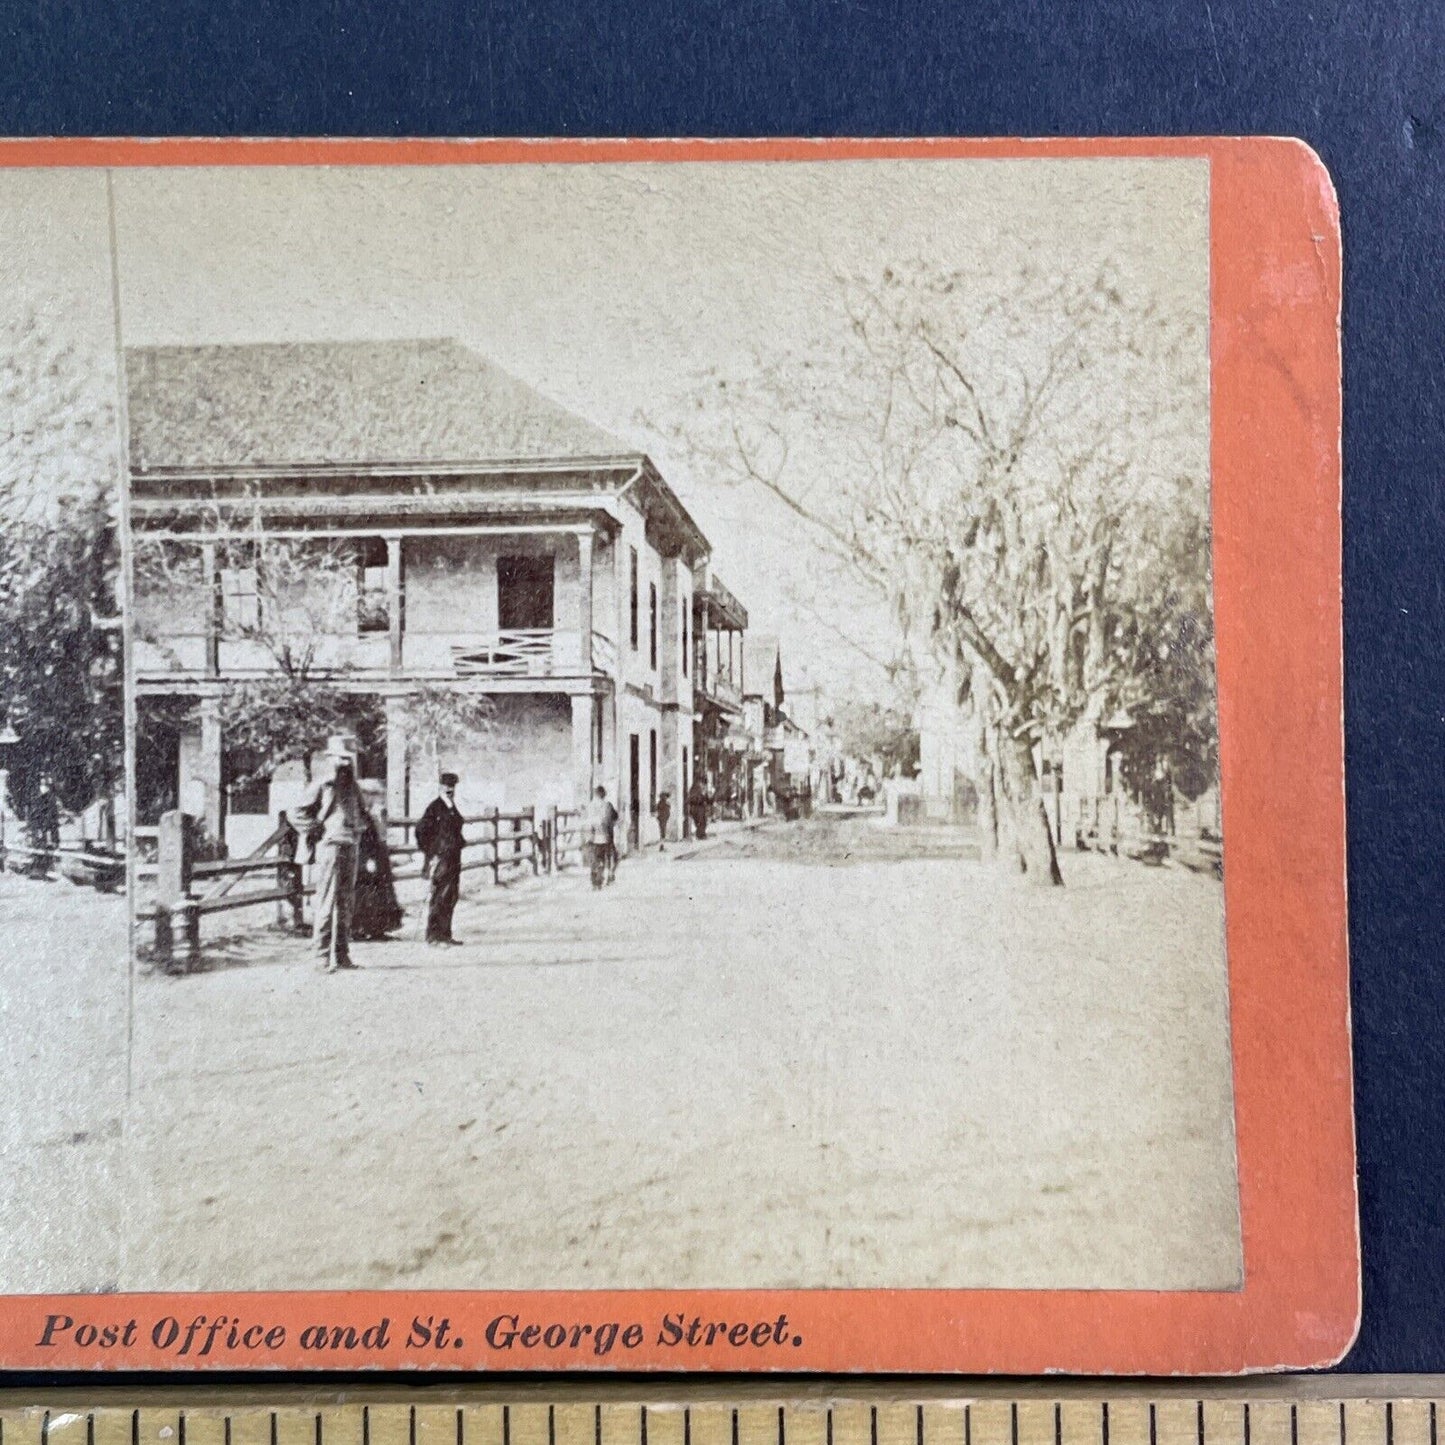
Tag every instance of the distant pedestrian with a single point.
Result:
(440, 837)
(614, 820)
(599, 826)
(697, 808)
(664, 817)
(43, 826)
(334, 815)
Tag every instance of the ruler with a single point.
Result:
(1316, 1410)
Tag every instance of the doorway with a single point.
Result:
(525, 593)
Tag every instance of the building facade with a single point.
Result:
(723, 745)
(406, 522)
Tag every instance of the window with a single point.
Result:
(686, 779)
(240, 599)
(373, 589)
(597, 730)
(248, 790)
(634, 599)
(652, 770)
(686, 610)
(652, 625)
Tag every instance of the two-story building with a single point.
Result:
(723, 743)
(483, 540)
(782, 745)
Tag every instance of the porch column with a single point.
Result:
(619, 593)
(208, 768)
(395, 582)
(210, 587)
(583, 769)
(584, 597)
(396, 741)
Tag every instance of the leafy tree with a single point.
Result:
(60, 658)
(1016, 468)
(280, 718)
(866, 729)
(60, 638)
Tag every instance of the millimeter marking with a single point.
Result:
(568, 1413)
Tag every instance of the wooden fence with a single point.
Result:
(89, 863)
(189, 889)
(1104, 825)
(507, 840)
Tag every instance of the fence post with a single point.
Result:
(175, 855)
(297, 922)
(496, 822)
(161, 937)
(551, 826)
(186, 933)
(530, 812)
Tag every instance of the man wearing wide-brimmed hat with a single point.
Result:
(334, 817)
(439, 836)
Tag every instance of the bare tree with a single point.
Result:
(293, 604)
(1009, 465)
(299, 604)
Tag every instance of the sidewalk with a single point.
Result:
(717, 834)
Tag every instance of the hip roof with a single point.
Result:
(277, 404)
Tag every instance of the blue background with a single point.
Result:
(1363, 83)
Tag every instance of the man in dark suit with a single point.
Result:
(439, 836)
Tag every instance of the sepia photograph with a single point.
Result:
(673, 738)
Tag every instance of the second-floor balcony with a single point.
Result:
(720, 688)
(510, 607)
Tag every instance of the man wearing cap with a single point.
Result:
(439, 836)
(334, 816)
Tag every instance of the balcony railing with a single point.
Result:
(510, 652)
(516, 652)
(722, 689)
(184, 653)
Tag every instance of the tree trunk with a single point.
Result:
(987, 786)
(1032, 842)
(986, 783)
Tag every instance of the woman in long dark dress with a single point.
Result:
(375, 911)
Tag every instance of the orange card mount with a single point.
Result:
(715, 756)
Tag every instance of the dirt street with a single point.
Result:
(794, 1059)
(734, 1069)
(63, 1021)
